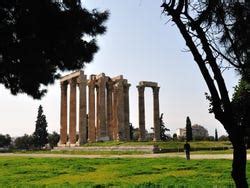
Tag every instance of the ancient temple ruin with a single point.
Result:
(107, 105)
(103, 109)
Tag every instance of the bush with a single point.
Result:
(24, 142)
(223, 138)
(5, 140)
(53, 139)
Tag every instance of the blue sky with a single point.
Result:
(142, 46)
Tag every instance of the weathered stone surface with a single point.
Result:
(148, 84)
(63, 128)
(126, 112)
(117, 78)
(108, 108)
(156, 114)
(70, 76)
(72, 117)
(141, 106)
(102, 132)
(82, 82)
(91, 115)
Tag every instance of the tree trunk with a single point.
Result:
(239, 160)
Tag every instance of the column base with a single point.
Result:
(61, 145)
(103, 138)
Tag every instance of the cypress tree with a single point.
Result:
(189, 135)
(216, 135)
(163, 129)
(40, 135)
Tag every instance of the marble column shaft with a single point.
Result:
(156, 113)
(72, 125)
(109, 110)
(63, 128)
(91, 118)
(126, 112)
(141, 113)
(115, 130)
(101, 115)
(82, 110)
(120, 111)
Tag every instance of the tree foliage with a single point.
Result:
(163, 129)
(189, 134)
(5, 140)
(24, 142)
(40, 38)
(241, 103)
(40, 136)
(215, 33)
(53, 139)
(216, 135)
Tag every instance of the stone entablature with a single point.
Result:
(107, 115)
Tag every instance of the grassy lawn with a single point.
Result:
(167, 144)
(80, 152)
(201, 147)
(78, 172)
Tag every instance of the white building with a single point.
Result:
(198, 132)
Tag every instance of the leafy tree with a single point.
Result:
(223, 138)
(5, 140)
(40, 38)
(189, 135)
(174, 136)
(163, 129)
(40, 135)
(216, 135)
(131, 131)
(241, 107)
(24, 142)
(215, 33)
(53, 139)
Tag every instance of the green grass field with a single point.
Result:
(171, 146)
(167, 144)
(78, 172)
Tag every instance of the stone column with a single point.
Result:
(101, 115)
(120, 111)
(109, 110)
(72, 118)
(114, 110)
(97, 122)
(156, 113)
(126, 111)
(141, 113)
(91, 116)
(82, 109)
(63, 128)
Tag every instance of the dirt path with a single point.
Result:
(194, 156)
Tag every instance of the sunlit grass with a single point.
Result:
(166, 144)
(79, 172)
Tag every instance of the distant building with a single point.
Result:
(198, 132)
(181, 132)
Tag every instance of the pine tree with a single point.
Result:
(189, 135)
(216, 135)
(41, 38)
(40, 135)
(163, 129)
